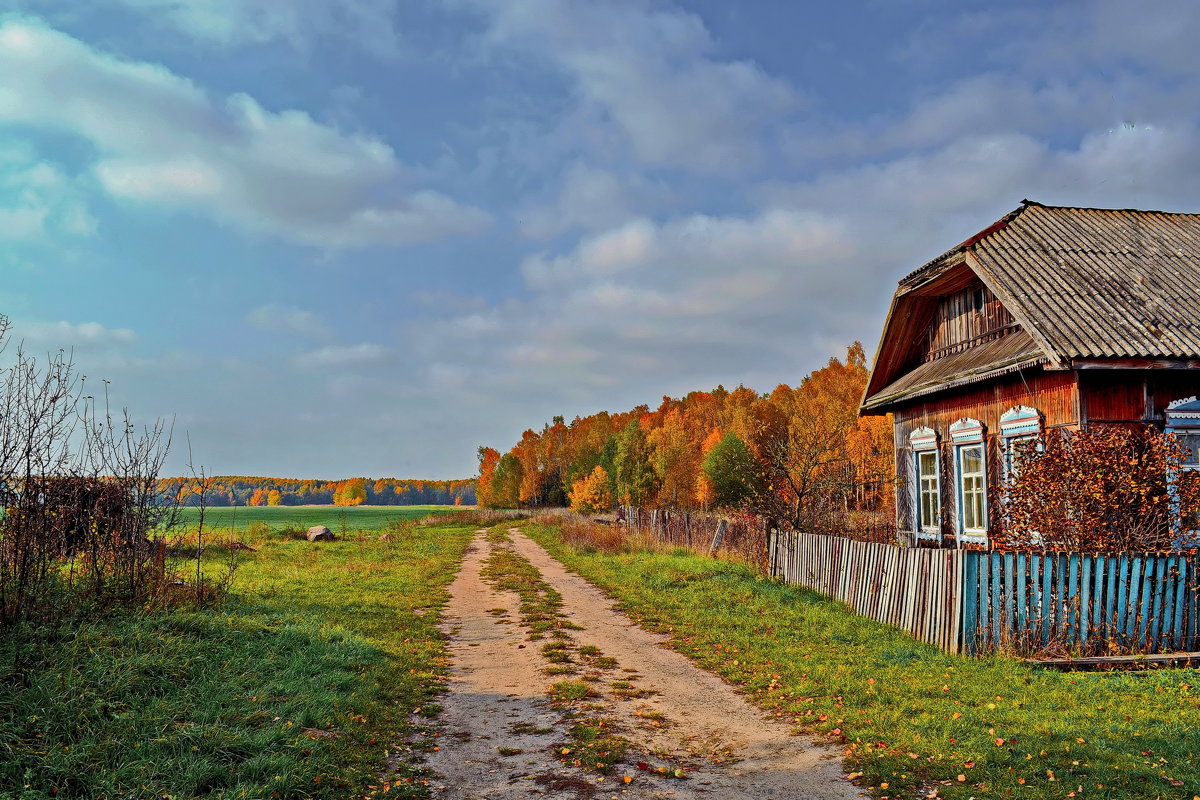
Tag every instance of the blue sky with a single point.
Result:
(363, 237)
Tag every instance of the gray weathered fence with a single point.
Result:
(917, 589)
(973, 602)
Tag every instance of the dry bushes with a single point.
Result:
(589, 536)
(78, 490)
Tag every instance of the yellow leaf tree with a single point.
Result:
(591, 495)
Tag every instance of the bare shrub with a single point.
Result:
(78, 488)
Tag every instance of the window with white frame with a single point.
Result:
(923, 442)
(1020, 430)
(971, 489)
(1183, 422)
(1191, 445)
(970, 457)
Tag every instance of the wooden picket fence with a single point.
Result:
(1089, 603)
(974, 602)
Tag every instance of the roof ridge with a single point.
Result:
(1027, 203)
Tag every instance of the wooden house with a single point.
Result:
(1052, 317)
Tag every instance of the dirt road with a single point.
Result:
(501, 738)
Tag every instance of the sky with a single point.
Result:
(363, 237)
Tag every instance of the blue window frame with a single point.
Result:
(1183, 422)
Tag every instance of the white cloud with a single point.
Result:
(163, 140)
(71, 334)
(341, 356)
(652, 73)
(239, 23)
(589, 199)
(288, 319)
(37, 199)
(648, 307)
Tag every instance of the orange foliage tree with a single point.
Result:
(351, 492)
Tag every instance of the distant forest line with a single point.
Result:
(242, 490)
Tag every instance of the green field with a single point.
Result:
(298, 686)
(338, 519)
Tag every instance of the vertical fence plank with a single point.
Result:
(1159, 597)
(1131, 602)
(969, 627)
(1178, 640)
(1085, 596)
(1188, 579)
(1146, 604)
(1022, 597)
(1047, 598)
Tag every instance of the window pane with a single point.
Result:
(971, 487)
(972, 460)
(928, 488)
(1191, 443)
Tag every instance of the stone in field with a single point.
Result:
(319, 533)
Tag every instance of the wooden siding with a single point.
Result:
(1133, 395)
(963, 319)
(1054, 394)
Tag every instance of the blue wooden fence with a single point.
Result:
(975, 602)
(1090, 603)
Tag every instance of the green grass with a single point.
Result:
(353, 518)
(910, 718)
(338, 638)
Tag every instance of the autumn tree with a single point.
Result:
(351, 492)
(635, 477)
(802, 448)
(591, 495)
(489, 458)
(676, 458)
(733, 472)
(506, 486)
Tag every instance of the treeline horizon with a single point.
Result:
(800, 454)
(247, 490)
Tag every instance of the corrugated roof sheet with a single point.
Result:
(1097, 283)
(998, 357)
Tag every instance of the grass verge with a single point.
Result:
(912, 721)
(300, 686)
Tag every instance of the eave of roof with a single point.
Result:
(1002, 356)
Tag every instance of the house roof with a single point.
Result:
(1084, 283)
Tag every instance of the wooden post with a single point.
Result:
(719, 537)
